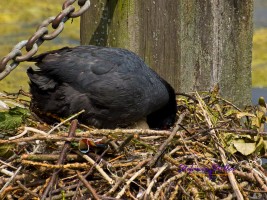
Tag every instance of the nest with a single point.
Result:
(214, 151)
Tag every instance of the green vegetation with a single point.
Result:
(12, 118)
(259, 58)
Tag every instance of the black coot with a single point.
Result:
(114, 87)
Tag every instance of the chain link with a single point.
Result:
(31, 45)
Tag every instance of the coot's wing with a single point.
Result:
(118, 84)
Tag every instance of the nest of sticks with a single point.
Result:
(214, 151)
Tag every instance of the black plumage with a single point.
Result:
(113, 85)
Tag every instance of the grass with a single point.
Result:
(259, 58)
(20, 20)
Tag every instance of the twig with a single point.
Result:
(125, 142)
(57, 166)
(61, 159)
(260, 174)
(160, 171)
(174, 193)
(168, 182)
(126, 174)
(141, 171)
(187, 95)
(261, 183)
(175, 150)
(98, 168)
(27, 190)
(66, 120)
(229, 197)
(41, 137)
(155, 137)
(100, 132)
(184, 191)
(62, 196)
(194, 192)
(26, 129)
(7, 164)
(164, 145)
(88, 185)
(49, 157)
(228, 102)
(10, 180)
(245, 176)
(99, 158)
(6, 172)
(221, 151)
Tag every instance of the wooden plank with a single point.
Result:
(195, 45)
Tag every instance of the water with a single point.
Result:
(257, 93)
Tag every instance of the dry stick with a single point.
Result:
(41, 137)
(177, 148)
(6, 172)
(72, 193)
(61, 159)
(49, 157)
(98, 168)
(261, 174)
(26, 129)
(88, 185)
(125, 142)
(57, 166)
(228, 102)
(22, 177)
(7, 164)
(10, 189)
(141, 171)
(66, 120)
(229, 197)
(175, 192)
(27, 190)
(150, 138)
(99, 158)
(164, 145)
(10, 180)
(148, 190)
(129, 194)
(126, 174)
(63, 122)
(189, 150)
(261, 183)
(66, 195)
(184, 191)
(121, 131)
(194, 192)
(221, 151)
(168, 182)
(148, 181)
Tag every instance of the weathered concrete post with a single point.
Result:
(194, 44)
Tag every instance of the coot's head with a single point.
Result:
(164, 118)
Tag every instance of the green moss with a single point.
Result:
(119, 24)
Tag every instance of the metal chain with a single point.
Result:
(31, 45)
